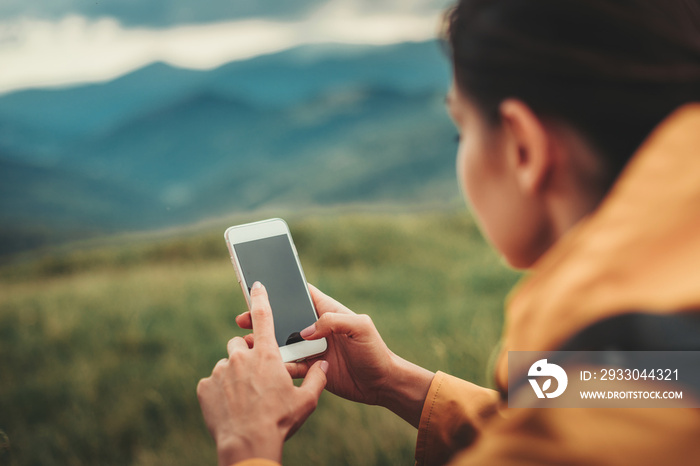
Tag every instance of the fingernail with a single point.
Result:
(324, 366)
(256, 286)
(308, 331)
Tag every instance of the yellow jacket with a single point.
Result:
(639, 251)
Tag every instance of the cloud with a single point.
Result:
(76, 49)
(167, 13)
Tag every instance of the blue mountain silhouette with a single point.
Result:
(165, 146)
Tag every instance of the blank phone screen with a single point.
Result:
(271, 261)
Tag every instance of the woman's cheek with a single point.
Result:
(472, 179)
(488, 204)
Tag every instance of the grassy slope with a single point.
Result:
(100, 351)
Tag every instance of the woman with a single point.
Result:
(580, 157)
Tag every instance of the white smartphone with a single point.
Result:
(264, 251)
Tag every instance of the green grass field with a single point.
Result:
(101, 348)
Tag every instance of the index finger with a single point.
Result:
(261, 316)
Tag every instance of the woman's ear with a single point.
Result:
(527, 145)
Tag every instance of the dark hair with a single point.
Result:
(612, 69)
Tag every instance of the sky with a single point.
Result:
(48, 43)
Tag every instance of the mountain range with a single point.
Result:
(163, 146)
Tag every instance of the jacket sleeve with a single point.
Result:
(256, 462)
(588, 435)
(585, 436)
(453, 414)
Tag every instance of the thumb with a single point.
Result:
(352, 325)
(309, 392)
(315, 381)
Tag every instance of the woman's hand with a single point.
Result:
(361, 367)
(250, 403)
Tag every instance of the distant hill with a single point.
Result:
(165, 146)
(280, 79)
(44, 206)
